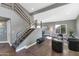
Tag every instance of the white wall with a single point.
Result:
(77, 26)
(71, 25)
(16, 22)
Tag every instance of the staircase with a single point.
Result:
(22, 37)
(22, 13)
(19, 10)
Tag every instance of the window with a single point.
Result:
(3, 31)
(61, 28)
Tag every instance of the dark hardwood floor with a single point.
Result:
(43, 49)
(6, 50)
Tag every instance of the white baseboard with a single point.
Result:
(3, 41)
(25, 47)
(6, 42)
(10, 44)
(20, 49)
(30, 45)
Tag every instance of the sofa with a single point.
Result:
(73, 44)
(57, 45)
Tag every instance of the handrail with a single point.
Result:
(17, 42)
(21, 13)
(19, 9)
(21, 34)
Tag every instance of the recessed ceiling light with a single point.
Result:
(32, 8)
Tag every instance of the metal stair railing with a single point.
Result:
(21, 11)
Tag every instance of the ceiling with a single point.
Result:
(31, 7)
(65, 12)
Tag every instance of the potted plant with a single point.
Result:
(71, 33)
